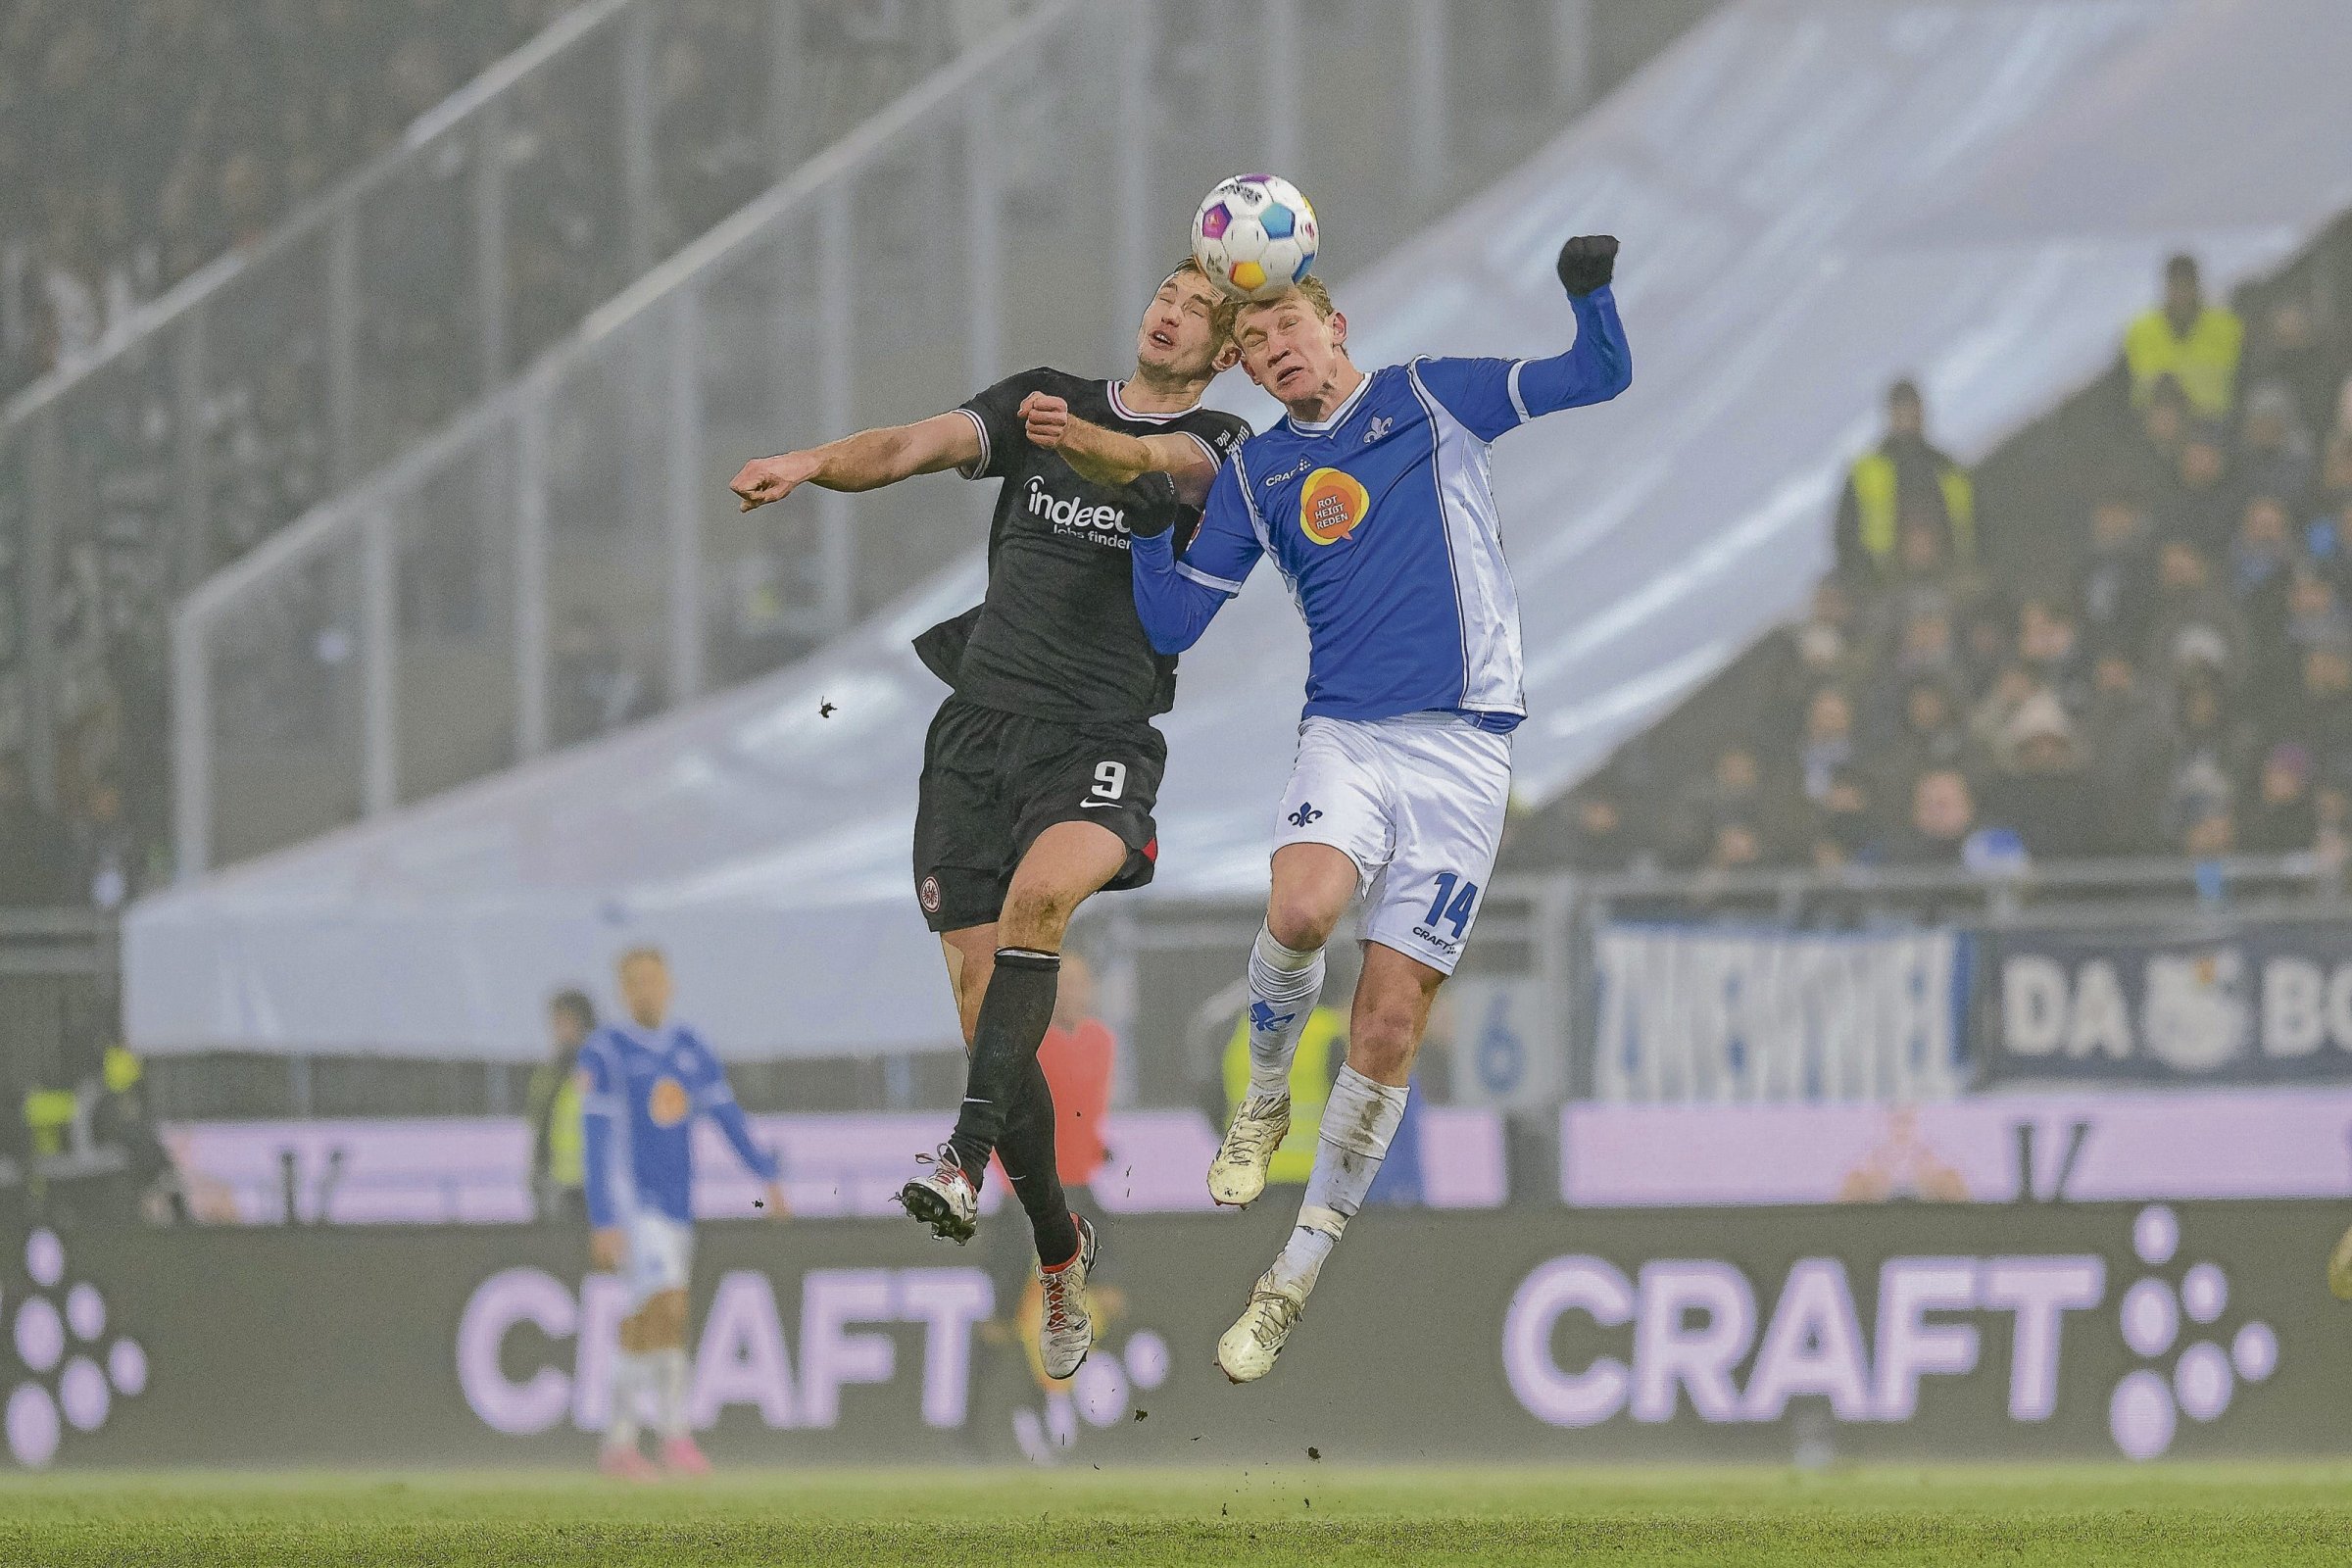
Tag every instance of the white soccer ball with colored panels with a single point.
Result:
(1255, 236)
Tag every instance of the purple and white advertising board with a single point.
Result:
(466, 1170)
(1999, 1148)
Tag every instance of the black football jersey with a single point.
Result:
(1057, 636)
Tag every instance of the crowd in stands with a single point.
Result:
(2183, 687)
(142, 139)
(139, 139)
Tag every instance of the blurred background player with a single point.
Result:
(559, 1158)
(1041, 769)
(642, 1082)
(1413, 687)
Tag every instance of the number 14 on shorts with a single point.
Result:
(1455, 903)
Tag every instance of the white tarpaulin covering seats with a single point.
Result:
(1814, 196)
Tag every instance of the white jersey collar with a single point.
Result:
(1339, 416)
(1119, 407)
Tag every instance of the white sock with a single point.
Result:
(1358, 1122)
(1284, 986)
(670, 1386)
(630, 1380)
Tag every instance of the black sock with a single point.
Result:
(1014, 1013)
(1031, 1161)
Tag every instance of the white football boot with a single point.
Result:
(1065, 1328)
(1247, 1350)
(945, 1198)
(1237, 1175)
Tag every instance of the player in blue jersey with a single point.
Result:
(642, 1084)
(1373, 500)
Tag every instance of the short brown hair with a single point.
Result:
(1228, 314)
(1220, 324)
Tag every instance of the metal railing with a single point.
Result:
(278, 374)
(2026, 893)
(564, 555)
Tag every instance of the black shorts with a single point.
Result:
(993, 781)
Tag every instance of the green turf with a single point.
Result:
(2209, 1516)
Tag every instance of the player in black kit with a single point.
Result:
(1041, 769)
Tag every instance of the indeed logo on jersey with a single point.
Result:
(1105, 524)
(1330, 506)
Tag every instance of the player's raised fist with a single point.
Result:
(1048, 418)
(1588, 262)
(765, 479)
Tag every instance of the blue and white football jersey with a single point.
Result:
(1382, 520)
(641, 1090)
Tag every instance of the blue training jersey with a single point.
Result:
(640, 1091)
(1382, 522)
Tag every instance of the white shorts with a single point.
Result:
(661, 1256)
(1417, 803)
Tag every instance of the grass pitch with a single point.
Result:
(2208, 1516)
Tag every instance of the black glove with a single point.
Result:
(1155, 507)
(1587, 263)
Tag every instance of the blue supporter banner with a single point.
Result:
(2263, 1003)
(1728, 1013)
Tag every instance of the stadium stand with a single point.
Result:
(136, 144)
(145, 497)
(301, 285)
(2143, 651)
(1675, 527)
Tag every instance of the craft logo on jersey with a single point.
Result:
(667, 1105)
(1330, 506)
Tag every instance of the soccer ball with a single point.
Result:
(1255, 236)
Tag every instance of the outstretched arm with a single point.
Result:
(1110, 457)
(1493, 396)
(1595, 368)
(866, 461)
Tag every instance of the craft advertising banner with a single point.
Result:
(1881, 1331)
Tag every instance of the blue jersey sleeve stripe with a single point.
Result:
(1511, 384)
(1437, 484)
(1220, 584)
(1258, 521)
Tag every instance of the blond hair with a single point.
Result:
(1227, 315)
